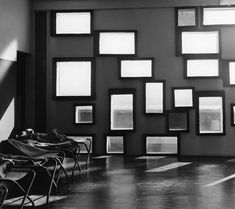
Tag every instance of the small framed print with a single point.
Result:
(186, 17)
(84, 114)
(115, 144)
(183, 97)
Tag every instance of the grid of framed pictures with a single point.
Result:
(198, 41)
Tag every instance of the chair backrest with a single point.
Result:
(3, 194)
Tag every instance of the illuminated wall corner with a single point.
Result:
(7, 121)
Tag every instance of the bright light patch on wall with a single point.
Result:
(10, 52)
(183, 97)
(219, 16)
(136, 68)
(232, 73)
(73, 78)
(161, 144)
(114, 144)
(154, 97)
(202, 68)
(7, 121)
(210, 115)
(73, 23)
(203, 42)
(117, 43)
(122, 112)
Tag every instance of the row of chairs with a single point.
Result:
(40, 173)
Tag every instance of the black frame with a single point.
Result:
(216, 25)
(201, 57)
(93, 113)
(187, 29)
(115, 135)
(53, 22)
(97, 42)
(232, 114)
(120, 59)
(196, 17)
(81, 135)
(162, 135)
(180, 112)
(74, 59)
(210, 94)
(122, 92)
(164, 97)
(183, 88)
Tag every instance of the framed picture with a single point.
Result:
(136, 68)
(186, 17)
(84, 113)
(202, 67)
(160, 144)
(122, 109)
(74, 78)
(178, 121)
(183, 97)
(114, 144)
(71, 22)
(211, 113)
(218, 16)
(198, 42)
(154, 97)
(116, 43)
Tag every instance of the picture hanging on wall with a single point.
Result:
(122, 109)
(154, 102)
(116, 43)
(202, 67)
(218, 16)
(178, 121)
(159, 144)
(71, 22)
(136, 68)
(211, 113)
(183, 97)
(199, 42)
(186, 17)
(74, 78)
(84, 114)
(114, 144)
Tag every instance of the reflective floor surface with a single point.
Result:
(151, 183)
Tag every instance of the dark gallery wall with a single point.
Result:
(15, 33)
(156, 38)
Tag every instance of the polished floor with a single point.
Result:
(115, 182)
